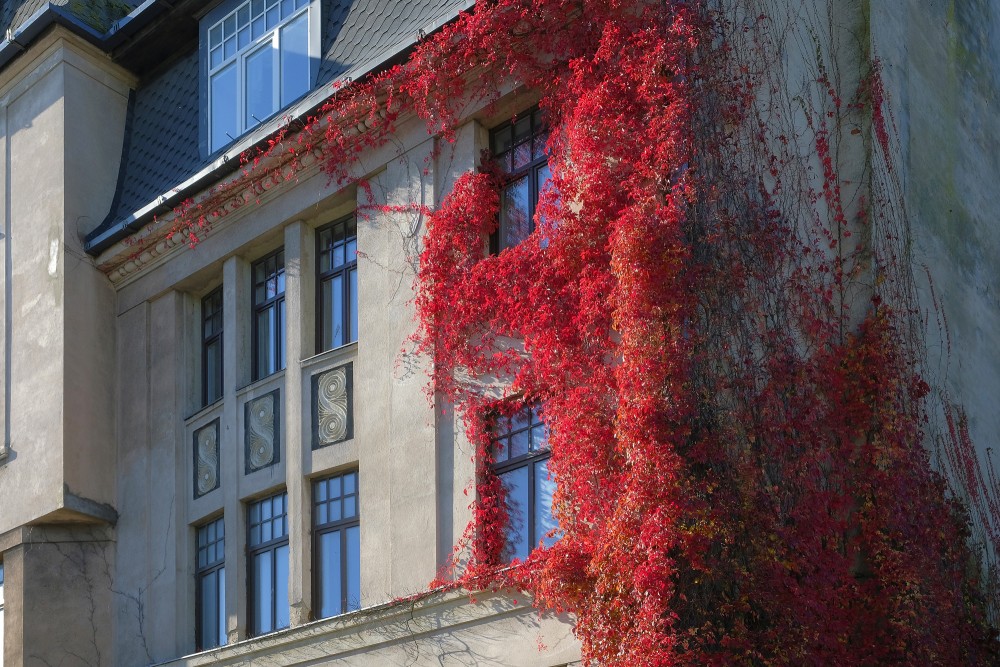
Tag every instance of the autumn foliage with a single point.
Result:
(720, 343)
(718, 324)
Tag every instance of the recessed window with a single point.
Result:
(518, 147)
(269, 314)
(338, 283)
(211, 347)
(258, 62)
(267, 547)
(520, 460)
(338, 545)
(210, 578)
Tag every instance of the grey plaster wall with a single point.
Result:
(941, 67)
(62, 108)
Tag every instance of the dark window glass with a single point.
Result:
(268, 275)
(210, 581)
(520, 460)
(211, 347)
(337, 533)
(338, 283)
(267, 546)
(519, 148)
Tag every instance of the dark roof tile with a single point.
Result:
(161, 143)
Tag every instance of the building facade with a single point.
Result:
(220, 454)
(226, 454)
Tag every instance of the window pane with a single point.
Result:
(515, 220)
(215, 35)
(544, 521)
(326, 301)
(320, 516)
(354, 305)
(502, 140)
(221, 575)
(208, 633)
(262, 601)
(265, 342)
(337, 310)
(213, 371)
(519, 444)
(522, 129)
(281, 335)
(259, 86)
(539, 438)
(295, 59)
(223, 87)
(515, 483)
(281, 587)
(329, 563)
(352, 249)
(522, 156)
(353, 568)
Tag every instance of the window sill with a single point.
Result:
(209, 409)
(337, 354)
(274, 379)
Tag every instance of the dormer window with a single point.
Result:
(260, 58)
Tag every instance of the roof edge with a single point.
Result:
(229, 160)
(19, 39)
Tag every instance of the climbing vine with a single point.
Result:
(716, 315)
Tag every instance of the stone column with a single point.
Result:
(299, 328)
(236, 373)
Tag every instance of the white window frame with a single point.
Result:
(270, 35)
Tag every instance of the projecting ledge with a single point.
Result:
(491, 630)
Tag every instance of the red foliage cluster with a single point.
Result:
(720, 339)
(736, 415)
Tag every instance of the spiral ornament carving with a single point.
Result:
(206, 468)
(261, 432)
(332, 406)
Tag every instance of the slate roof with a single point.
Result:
(161, 143)
(98, 14)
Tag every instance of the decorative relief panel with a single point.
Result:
(206, 458)
(333, 420)
(262, 432)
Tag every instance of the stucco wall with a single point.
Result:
(941, 67)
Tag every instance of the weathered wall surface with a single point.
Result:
(941, 68)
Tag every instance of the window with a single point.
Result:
(267, 560)
(210, 578)
(338, 283)
(519, 149)
(269, 314)
(211, 347)
(258, 62)
(338, 545)
(520, 460)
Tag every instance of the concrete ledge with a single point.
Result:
(439, 628)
